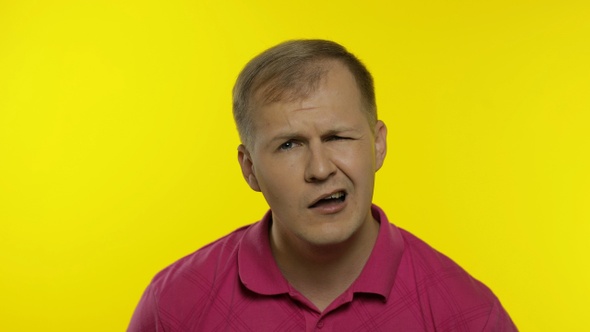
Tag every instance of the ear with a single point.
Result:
(247, 167)
(380, 144)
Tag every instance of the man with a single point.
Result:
(323, 257)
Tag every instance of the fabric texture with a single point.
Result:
(234, 284)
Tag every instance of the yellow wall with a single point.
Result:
(118, 150)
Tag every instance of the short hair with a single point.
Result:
(292, 70)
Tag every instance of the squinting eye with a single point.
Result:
(337, 138)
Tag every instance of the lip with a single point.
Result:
(329, 208)
(319, 198)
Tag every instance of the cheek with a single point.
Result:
(278, 180)
(355, 159)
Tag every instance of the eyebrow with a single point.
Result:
(291, 135)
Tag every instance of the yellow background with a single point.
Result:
(118, 150)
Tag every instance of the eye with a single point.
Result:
(336, 138)
(288, 145)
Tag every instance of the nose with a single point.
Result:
(319, 166)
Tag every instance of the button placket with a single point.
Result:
(320, 324)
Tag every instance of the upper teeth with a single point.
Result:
(336, 195)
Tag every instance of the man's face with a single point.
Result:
(315, 161)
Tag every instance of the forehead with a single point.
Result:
(336, 98)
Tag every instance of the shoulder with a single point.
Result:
(434, 270)
(202, 265)
(426, 259)
(187, 285)
(447, 293)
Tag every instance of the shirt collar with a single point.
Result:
(256, 265)
(379, 272)
(259, 272)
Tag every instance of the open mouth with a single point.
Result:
(337, 197)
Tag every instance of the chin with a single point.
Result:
(329, 237)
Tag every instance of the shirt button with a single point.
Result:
(320, 324)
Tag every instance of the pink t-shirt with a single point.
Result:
(234, 284)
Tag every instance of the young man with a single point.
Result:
(323, 257)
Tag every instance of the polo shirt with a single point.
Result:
(234, 284)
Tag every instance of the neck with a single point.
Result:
(323, 272)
